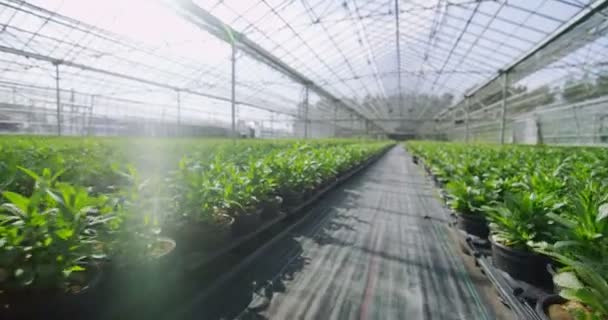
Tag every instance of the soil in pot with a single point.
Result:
(554, 307)
(475, 225)
(245, 223)
(523, 265)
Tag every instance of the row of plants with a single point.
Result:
(72, 209)
(540, 206)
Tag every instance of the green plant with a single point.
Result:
(468, 196)
(49, 236)
(521, 219)
(582, 249)
(583, 226)
(140, 209)
(584, 280)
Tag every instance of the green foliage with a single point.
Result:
(521, 220)
(49, 235)
(468, 196)
(549, 199)
(66, 203)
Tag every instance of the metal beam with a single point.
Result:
(71, 64)
(205, 20)
(397, 42)
(585, 14)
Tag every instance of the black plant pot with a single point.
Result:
(428, 170)
(522, 265)
(194, 236)
(51, 304)
(292, 199)
(271, 208)
(475, 225)
(438, 183)
(245, 223)
(543, 304)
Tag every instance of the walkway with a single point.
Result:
(378, 247)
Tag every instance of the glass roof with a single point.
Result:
(365, 53)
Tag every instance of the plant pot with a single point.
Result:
(245, 223)
(310, 192)
(200, 236)
(51, 303)
(543, 304)
(163, 248)
(291, 199)
(271, 208)
(438, 183)
(428, 170)
(476, 225)
(522, 265)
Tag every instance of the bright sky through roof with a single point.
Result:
(347, 47)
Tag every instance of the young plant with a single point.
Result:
(521, 219)
(49, 237)
(469, 196)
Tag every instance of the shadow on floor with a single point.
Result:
(250, 292)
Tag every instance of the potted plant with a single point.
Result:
(466, 198)
(582, 252)
(198, 220)
(516, 225)
(583, 292)
(52, 242)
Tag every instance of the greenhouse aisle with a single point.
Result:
(378, 247)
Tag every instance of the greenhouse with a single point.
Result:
(307, 159)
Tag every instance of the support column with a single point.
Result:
(272, 125)
(578, 127)
(306, 112)
(466, 118)
(503, 116)
(233, 92)
(71, 117)
(90, 128)
(179, 113)
(335, 120)
(58, 98)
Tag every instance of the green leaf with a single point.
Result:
(18, 200)
(29, 173)
(64, 233)
(567, 280)
(76, 268)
